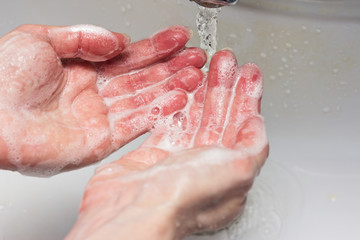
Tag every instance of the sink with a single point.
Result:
(309, 54)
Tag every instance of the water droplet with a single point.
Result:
(326, 109)
(289, 45)
(306, 42)
(155, 111)
(283, 59)
(303, 27)
(233, 35)
(335, 70)
(311, 63)
(272, 77)
(318, 30)
(343, 83)
(263, 55)
(275, 47)
(267, 231)
(178, 119)
(248, 29)
(288, 91)
(332, 198)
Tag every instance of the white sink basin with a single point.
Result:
(309, 188)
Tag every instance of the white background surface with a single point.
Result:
(309, 188)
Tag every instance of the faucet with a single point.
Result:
(215, 3)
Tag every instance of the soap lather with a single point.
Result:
(215, 3)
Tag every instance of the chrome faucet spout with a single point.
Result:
(215, 3)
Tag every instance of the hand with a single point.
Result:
(63, 106)
(194, 171)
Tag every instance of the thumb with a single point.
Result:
(89, 42)
(252, 139)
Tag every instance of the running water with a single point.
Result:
(206, 22)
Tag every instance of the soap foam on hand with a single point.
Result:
(34, 146)
(244, 86)
(233, 97)
(89, 42)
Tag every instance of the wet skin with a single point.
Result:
(69, 96)
(54, 113)
(194, 171)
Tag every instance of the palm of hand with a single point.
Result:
(199, 162)
(55, 114)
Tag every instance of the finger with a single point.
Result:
(91, 43)
(178, 132)
(246, 101)
(146, 52)
(251, 139)
(187, 79)
(130, 124)
(221, 78)
(126, 84)
(250, 88)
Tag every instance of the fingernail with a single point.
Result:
(191, 32)
(127, 39)
(227, 49)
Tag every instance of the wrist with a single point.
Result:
(132, 223)
(152, 224)
(4, 163)
(4, 149)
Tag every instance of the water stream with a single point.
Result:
(206, 22)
